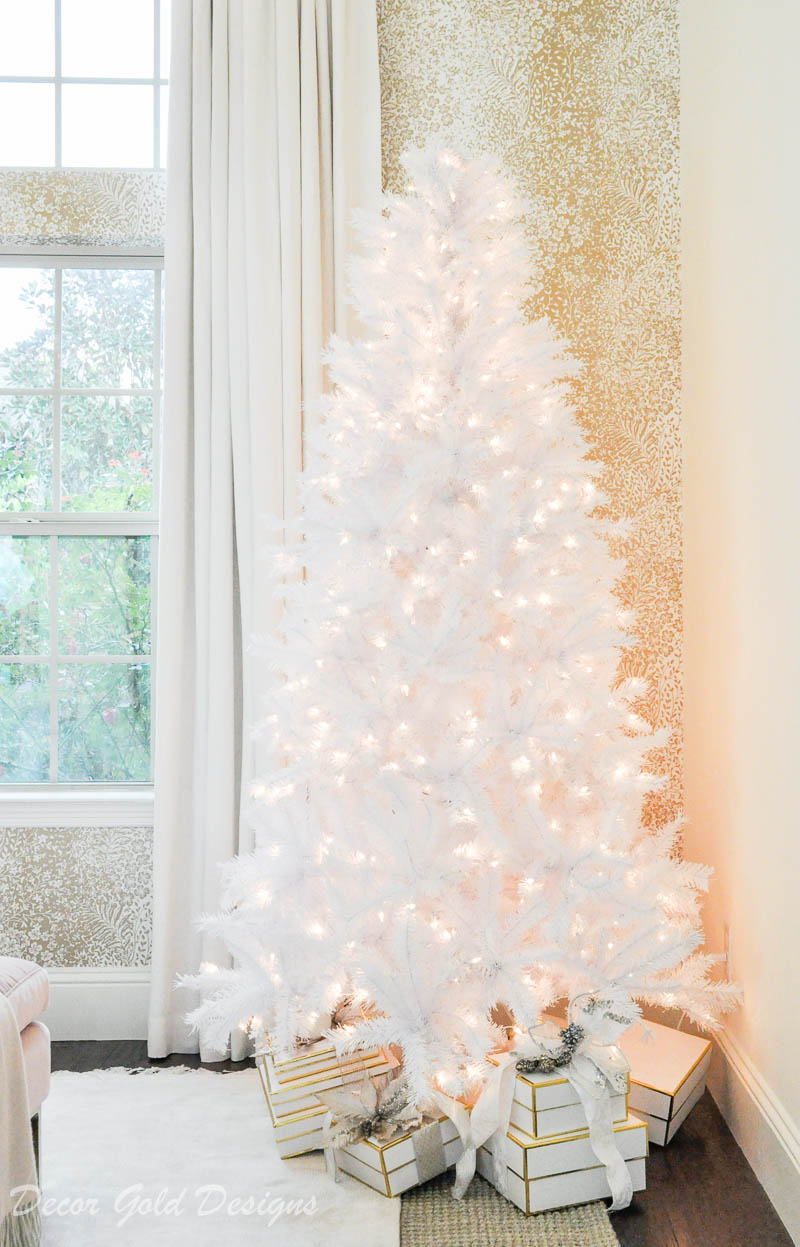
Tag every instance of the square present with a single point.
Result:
(668, 1076)
(290, 1085)
(415, 1157)
(560, 1172)
(547, 1105)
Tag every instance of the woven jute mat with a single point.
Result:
(430, 1217)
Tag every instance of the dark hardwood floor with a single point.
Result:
(701, 1192)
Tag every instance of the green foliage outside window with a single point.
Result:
(103, 601)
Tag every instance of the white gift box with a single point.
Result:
(547, 1105)
(560, 1172)
(290, 1085)
(392, 1168)
(668, 1076)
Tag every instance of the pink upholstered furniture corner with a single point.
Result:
(27, 988)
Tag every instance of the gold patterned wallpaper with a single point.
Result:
(82, 207)
(93, 895)
(580, 97)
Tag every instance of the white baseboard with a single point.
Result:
(761, 1126)
(106, 1003)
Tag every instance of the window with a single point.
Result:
(80, 381)
(85, 82)
(80, 395)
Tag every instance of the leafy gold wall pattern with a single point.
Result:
(580, 98)
(82, 208)
(76, 896)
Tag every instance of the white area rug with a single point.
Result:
(138, 1160)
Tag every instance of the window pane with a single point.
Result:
(107, 127)
(106, 454)
(27, 308)
(104, 722)
(24, 571)
(26, 448)
(107, 38)
(27, 43)
(27, 124)
(107, 328)
(104, 595)
(24, 723)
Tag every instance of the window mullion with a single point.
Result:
(56, 461)
(57, 88)
(56, 495)
(53, 659)
(158, 383)
(156, 85)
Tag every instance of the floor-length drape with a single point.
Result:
(274, 140)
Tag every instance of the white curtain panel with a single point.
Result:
(274, 140)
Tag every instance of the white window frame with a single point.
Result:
(87, 803)
(57, 80)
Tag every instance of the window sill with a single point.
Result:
(77, 807)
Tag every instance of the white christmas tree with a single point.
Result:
(454, 820)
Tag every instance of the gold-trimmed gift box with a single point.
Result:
(391, 1168)
(668, 1076)
(290, 1085)
(547, 1105)
(549, 1173)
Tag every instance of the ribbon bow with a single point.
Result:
(382, 1109)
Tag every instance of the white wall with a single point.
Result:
(740, 117)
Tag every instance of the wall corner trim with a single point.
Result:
(761, 1125)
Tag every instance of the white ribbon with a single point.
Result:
(331, 1163)
(474, 1129)
(426, 1140)
(596, 1070)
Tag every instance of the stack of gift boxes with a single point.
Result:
(549, 1158)
(548, 1154)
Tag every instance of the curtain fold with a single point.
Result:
(274, 140)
